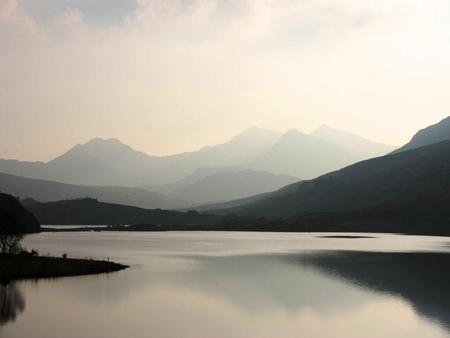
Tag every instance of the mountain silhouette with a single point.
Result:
(433, 134)
(46, 191)
(408, 187)
(12, 210)
(109, 162)
(303, 156)
(357, 146)
(198, 175)
(90, 211)
(224, 186)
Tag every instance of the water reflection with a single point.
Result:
(325, 281)
(11, 303)
(420, 278)
(233, 285)
(257, 284)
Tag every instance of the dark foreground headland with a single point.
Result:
(15, 267)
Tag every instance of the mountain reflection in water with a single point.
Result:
(238, 285)
(423, 279)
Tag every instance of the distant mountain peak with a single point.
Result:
(99, 152)
(256, 132)
(101, 141)
(292, 133)
(359, 146)
(98, 142)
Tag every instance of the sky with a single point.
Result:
(167, 76)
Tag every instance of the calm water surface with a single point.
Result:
(225, 284)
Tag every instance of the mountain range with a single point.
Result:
(112, 163)
(408, 186)
(407, 190)
(48, 191)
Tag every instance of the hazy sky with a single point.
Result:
(166, 76)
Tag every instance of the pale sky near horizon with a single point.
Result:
(167, 76)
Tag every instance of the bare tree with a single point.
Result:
(10, 237)
(10, 244)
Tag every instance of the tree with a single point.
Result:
(10, 236)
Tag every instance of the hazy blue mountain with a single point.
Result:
(110, 162)
(303, 156)
(357, 146)
(92, 212)
(197, 175)
(235, 153)
(101, 162)
(12, 210)
(410, 186)
(432, 134)
(24, 168)
(97, 162)
(228, 206)
(45, 191)
(224, 186)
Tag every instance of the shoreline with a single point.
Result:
(19, 267)
(375, 228)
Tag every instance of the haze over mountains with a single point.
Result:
(420, 176)
(47, 191)
(110, 162)
(225, 185)
(407, 190)
(409, 186)
(303, 155)
(356, 145)
(255, 161)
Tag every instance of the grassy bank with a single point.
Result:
(14, 267)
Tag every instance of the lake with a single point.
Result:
(237, 284)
